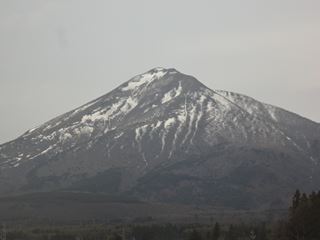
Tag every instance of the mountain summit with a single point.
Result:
(164, 136)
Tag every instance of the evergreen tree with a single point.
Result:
(231, 234)
(195, 235)
(216, 232)
(296, 200)
(261, 232)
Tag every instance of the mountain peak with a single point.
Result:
(170, 78)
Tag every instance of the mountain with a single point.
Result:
(163, 136)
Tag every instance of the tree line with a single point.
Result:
(302, 223)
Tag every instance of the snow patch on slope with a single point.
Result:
(172, 94)
(146, 78)
(121, 107)
(169, 122)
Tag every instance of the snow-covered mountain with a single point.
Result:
(164, 136)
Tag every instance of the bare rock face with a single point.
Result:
(164, 136)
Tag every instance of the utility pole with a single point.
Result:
(124, 235)
(3, 235)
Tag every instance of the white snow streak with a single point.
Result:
(272, 112)
(167, 124)
(200, 114)
(140, 132)
(182, 120)
(192, 117)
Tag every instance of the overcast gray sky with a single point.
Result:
(56, 55)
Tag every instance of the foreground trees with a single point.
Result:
(304, 217)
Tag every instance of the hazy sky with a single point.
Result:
(56, 55)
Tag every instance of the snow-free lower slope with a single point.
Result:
(168, 127)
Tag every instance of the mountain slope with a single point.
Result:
(164, 136)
